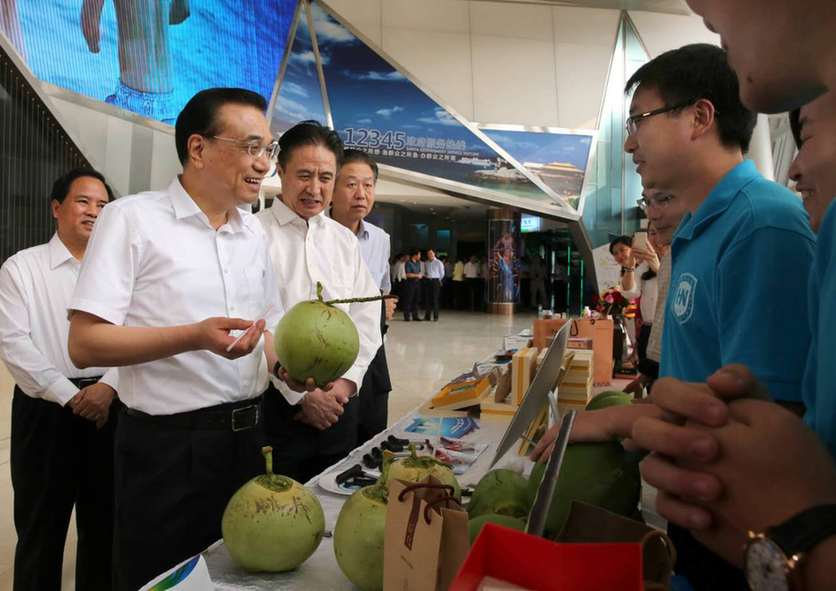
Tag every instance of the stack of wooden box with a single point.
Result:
(576, 389)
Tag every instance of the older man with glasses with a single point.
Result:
(167, 276)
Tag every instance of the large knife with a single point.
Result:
(543, 500)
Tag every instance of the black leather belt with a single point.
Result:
(84, 382)
(233, 416)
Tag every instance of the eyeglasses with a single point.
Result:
(632, 123)
(253, 148)
(660, 201)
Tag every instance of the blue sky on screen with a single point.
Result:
(543, 147)
(376, 108)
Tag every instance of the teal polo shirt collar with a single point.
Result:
(718, 200)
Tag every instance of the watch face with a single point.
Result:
(766, 566)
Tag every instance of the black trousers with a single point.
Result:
(705, 570)
(432, 296)
(60, 460)
(459, 294)
(172, 485)
(299, 450)
(374, 399)
(410, 298)
(447, 293)
(475, 290)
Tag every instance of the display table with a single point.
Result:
(321, 571)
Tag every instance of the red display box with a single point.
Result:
(541, 565)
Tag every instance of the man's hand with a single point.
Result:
(390, 307)
(677, 442)
(607, 424)
(772, 466)
(91, 14)
(309, 385)
(322, 409)
(212, 334)
(93, 403)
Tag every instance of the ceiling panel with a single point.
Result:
(669, 6)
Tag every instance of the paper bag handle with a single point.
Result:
(445, 499)
(665, 540)
(413, 487)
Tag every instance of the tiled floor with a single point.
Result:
(422, 357)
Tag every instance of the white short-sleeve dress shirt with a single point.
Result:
(154, 260)
(374, 248)
(35, 289)
(433, 269)
(323, 250)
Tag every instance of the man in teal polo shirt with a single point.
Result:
(739, 266)
(745, 249)
(742, 255)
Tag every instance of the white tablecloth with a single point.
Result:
(321, 572)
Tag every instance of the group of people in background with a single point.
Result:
(418, 283)
(434, 282)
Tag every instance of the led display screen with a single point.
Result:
(151, 56)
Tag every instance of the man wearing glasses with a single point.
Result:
(741, 254)
(664, 212)
(744, 247)
(168, 275)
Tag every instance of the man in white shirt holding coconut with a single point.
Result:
(311, 431)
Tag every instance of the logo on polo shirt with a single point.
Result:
(683, 297)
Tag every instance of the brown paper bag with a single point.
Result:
(589, 524)
(426, 537)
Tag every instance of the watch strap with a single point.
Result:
(803, 531)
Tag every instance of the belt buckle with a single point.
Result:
(244, 424)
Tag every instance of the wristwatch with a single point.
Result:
(773, 560)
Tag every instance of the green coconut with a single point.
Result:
(415, 468)
(609, 398)
(359, 536)
(601, 474)
(272, 523)
(502, 492)
(475, 525)
(315, 339)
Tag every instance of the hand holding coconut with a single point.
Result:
(603, 420)
(316, 344)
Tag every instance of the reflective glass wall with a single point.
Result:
(611, 185)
